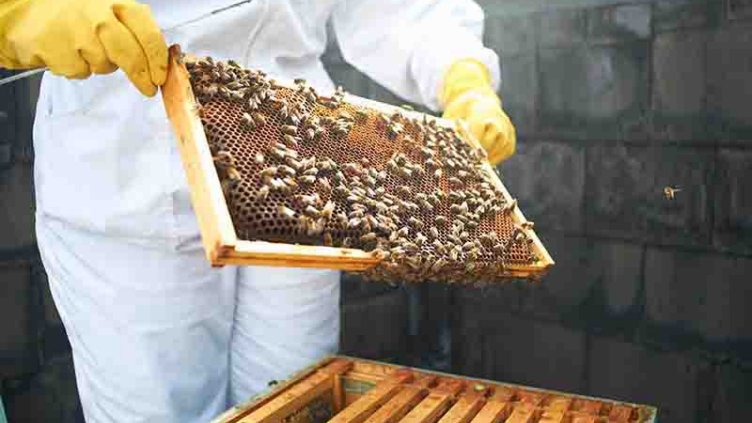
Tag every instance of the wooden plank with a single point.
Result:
(553, 416)
(287, 255)
(466, 407)
(522, 413)
(403, 402)
(296, 395)
(559, 403)
(492, 412)
(529, 397)
(586, 406)
(361, 409)
(217, 230)
(291, 400)
(584, 419)
(436, 403)
(621, 413)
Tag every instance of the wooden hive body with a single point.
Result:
(349, 390)
(219, 232)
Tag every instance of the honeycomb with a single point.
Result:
(300, 168)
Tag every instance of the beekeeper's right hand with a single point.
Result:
(75, 38)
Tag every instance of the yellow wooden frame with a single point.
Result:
(218, 234)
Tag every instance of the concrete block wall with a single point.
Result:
(649, 300)
(36, 369)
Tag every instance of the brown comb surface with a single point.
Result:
(300, 168)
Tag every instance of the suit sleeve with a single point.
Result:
(407, 45)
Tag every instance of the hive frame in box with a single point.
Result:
(364, 390)
(218, 235)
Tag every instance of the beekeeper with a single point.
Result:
(156, 333)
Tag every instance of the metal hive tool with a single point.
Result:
(398, 195)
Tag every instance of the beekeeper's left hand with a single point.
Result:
(467, 94)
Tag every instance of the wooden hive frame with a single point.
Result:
(353, 390)
(218, 234)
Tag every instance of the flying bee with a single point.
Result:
(670, 192)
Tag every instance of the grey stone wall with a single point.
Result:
(613, 100)
(649, 300)
(36, 370)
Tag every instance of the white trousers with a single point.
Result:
(160, 336)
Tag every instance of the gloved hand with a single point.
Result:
(76, 38)
(467, 94)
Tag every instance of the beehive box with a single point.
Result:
(282, 175)
(349, 390)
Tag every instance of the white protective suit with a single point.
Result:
(157, 334)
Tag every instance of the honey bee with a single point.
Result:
(369, 237)
(289, 130)
(325, 185)
(327, 210)
(312, 211)
(440, 220)
(290, 141)
(670, 192)
(285, 170)
(308, 179)
(247, 122)
(269, 172)
(414, 221)
(286, 212)
(259, 158)
(510, 207)
(263, 193)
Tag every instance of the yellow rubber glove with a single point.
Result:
(75, 38)
(467, 94)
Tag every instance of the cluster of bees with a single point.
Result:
(422, 202)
